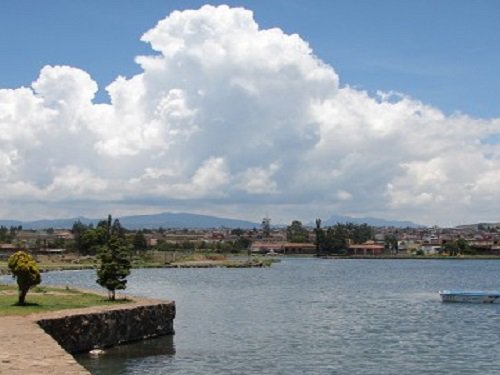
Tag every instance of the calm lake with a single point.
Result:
(313, 316)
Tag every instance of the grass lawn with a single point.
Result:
(44, 299)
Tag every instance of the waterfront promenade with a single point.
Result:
(26, 349)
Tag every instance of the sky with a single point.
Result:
(292, 109)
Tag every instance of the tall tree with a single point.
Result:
(463, 245)
(117, 229)
(139, 241)
(5, 234)
(266, 226)
(92, 239)
(78, 230)
(320, 237)
(114, 257)
(391, 243)
(339, 236)
(360, 232)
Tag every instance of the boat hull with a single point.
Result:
(462, 296)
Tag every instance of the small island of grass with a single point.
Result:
(45, 299)
(215, 260)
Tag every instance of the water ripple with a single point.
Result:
(310, 316)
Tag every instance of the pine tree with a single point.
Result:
(114, 259)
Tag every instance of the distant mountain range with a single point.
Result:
(165, 220)
(185, 220)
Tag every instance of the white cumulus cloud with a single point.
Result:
(226, 116)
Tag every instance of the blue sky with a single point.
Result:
(445, 53)
(298, 109)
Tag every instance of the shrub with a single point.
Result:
(25, 270)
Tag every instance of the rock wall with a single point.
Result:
(81, 332)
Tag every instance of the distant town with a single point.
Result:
(342, 239)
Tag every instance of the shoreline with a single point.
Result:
(227, 263)
(413, 257)
(267, 262)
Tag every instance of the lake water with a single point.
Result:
(313, 316)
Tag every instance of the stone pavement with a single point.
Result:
(26, 349)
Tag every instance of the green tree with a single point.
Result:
(114, 266)
(92, 240)
(459, 246)
(451, 248)
(242, 243)
(114, 257)
(463, 246)
(139, 241)
(320, 237)
(117, 229)
(337, 238)
(25, 271)
(296, 232)
(359, 233)
(13, 231)
(5, 235)
(391, 243)
(78, 230)
(266, 227)
(165, 246)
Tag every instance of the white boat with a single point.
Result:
(470, 296)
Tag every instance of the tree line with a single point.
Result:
(89, 239)
(337, 238)
(334, 239)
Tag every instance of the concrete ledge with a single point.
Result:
(84, 331)
(26, 348)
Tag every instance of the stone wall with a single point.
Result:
(81, 332)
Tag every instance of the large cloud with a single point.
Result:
(231, 119)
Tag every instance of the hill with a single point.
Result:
(193, 221)
(165, 220)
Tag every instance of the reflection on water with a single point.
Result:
(314, 316)
(115, 360)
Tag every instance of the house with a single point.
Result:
(7, 249)
(62, 234)
(299, 248)
(408, 246)
(430, 249)
(283, 247)
(263, 247)
(367, 248)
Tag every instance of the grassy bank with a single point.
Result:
(198, 260)
(48, 263)
(227, 263)
(186, 262)
(44, 299)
